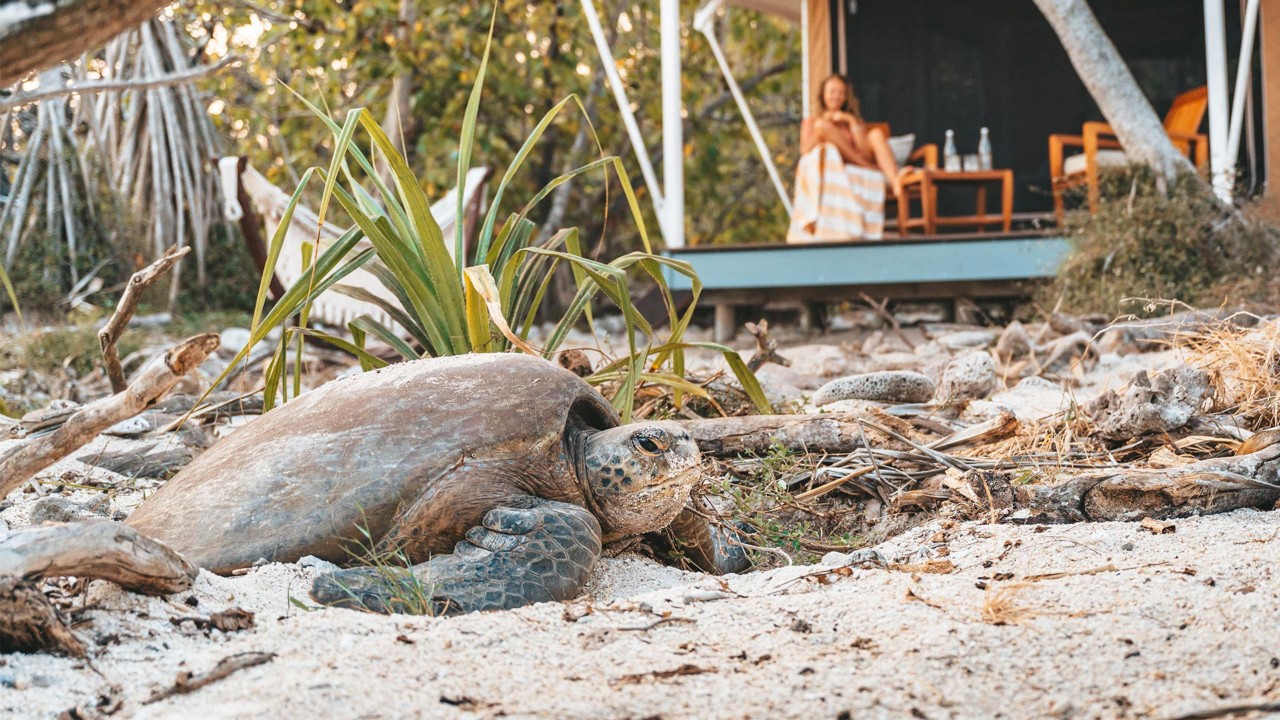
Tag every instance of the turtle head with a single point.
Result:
(640, 475)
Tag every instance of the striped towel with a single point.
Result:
(834, 200)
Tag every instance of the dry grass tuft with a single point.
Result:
(1000, 605)
(1244, 367)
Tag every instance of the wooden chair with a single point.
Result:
(926, 156)
(1101, 149)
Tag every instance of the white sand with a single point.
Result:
(1180, 622)
(1188, 621)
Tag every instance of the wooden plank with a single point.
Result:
(973, 290)
(891, 239)
(872, 264)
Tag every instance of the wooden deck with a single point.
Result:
(938, 267)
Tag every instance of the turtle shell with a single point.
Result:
(315, 474)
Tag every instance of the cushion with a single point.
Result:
(902, 145)
(1105, 159)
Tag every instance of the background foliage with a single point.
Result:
(351, 54)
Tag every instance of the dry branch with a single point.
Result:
(755, 434)
(98, 549)
(1200, 488)
(148, 386)
(55, 31)
(174, 78)
(766, 347)
(110, 333)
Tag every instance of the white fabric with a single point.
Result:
(836, 201)
(1105, 159)
(332, 307)
(902, 145)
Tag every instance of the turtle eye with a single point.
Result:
(650, 446)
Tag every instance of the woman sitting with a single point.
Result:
(843, 171)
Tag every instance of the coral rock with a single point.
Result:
(893, 386)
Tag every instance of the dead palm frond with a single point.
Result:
(145, 145)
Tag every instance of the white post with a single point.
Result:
(1243, 66)
(1215, 48)
(624, 106)
(672, 127)
(702, 22)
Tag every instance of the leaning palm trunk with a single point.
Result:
(1107, 77)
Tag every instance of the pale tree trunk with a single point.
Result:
(36, 37)
(1112, 86)
(399, 123)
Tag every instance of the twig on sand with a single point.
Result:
(1228, 710)
(188, 682)
(882, 310)
(766, 347)
(115, 327)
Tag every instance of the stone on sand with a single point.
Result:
(891, 386)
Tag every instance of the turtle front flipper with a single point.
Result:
(537, 551)
(708, 546)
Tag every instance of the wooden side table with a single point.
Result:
(924, 185)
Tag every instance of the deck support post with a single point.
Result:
(726, 322)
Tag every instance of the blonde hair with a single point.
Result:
(851, 104)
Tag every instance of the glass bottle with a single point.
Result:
(984, 150)
(950, 158)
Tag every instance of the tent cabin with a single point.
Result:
(926, 66)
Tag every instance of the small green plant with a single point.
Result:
(450, 308)
(393, 575)
(763, 505)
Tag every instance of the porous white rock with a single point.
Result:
(891, 386)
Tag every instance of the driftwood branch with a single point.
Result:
(149, 386)
(175, 78)
(50, 32)
(766, 347)
(98, 549)
(110, 333)
(1201, 488)
(831, 433)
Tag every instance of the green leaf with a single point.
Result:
(468, 139)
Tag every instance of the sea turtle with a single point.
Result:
(498, 476)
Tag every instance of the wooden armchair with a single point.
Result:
(1101, 149)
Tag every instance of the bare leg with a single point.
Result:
(879, 146)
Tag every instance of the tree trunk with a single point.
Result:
(35, 38)
(1112, 86)
(399, 122)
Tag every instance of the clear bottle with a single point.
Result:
(984, 150)
(950, 158)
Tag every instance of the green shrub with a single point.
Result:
(1181, 245)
